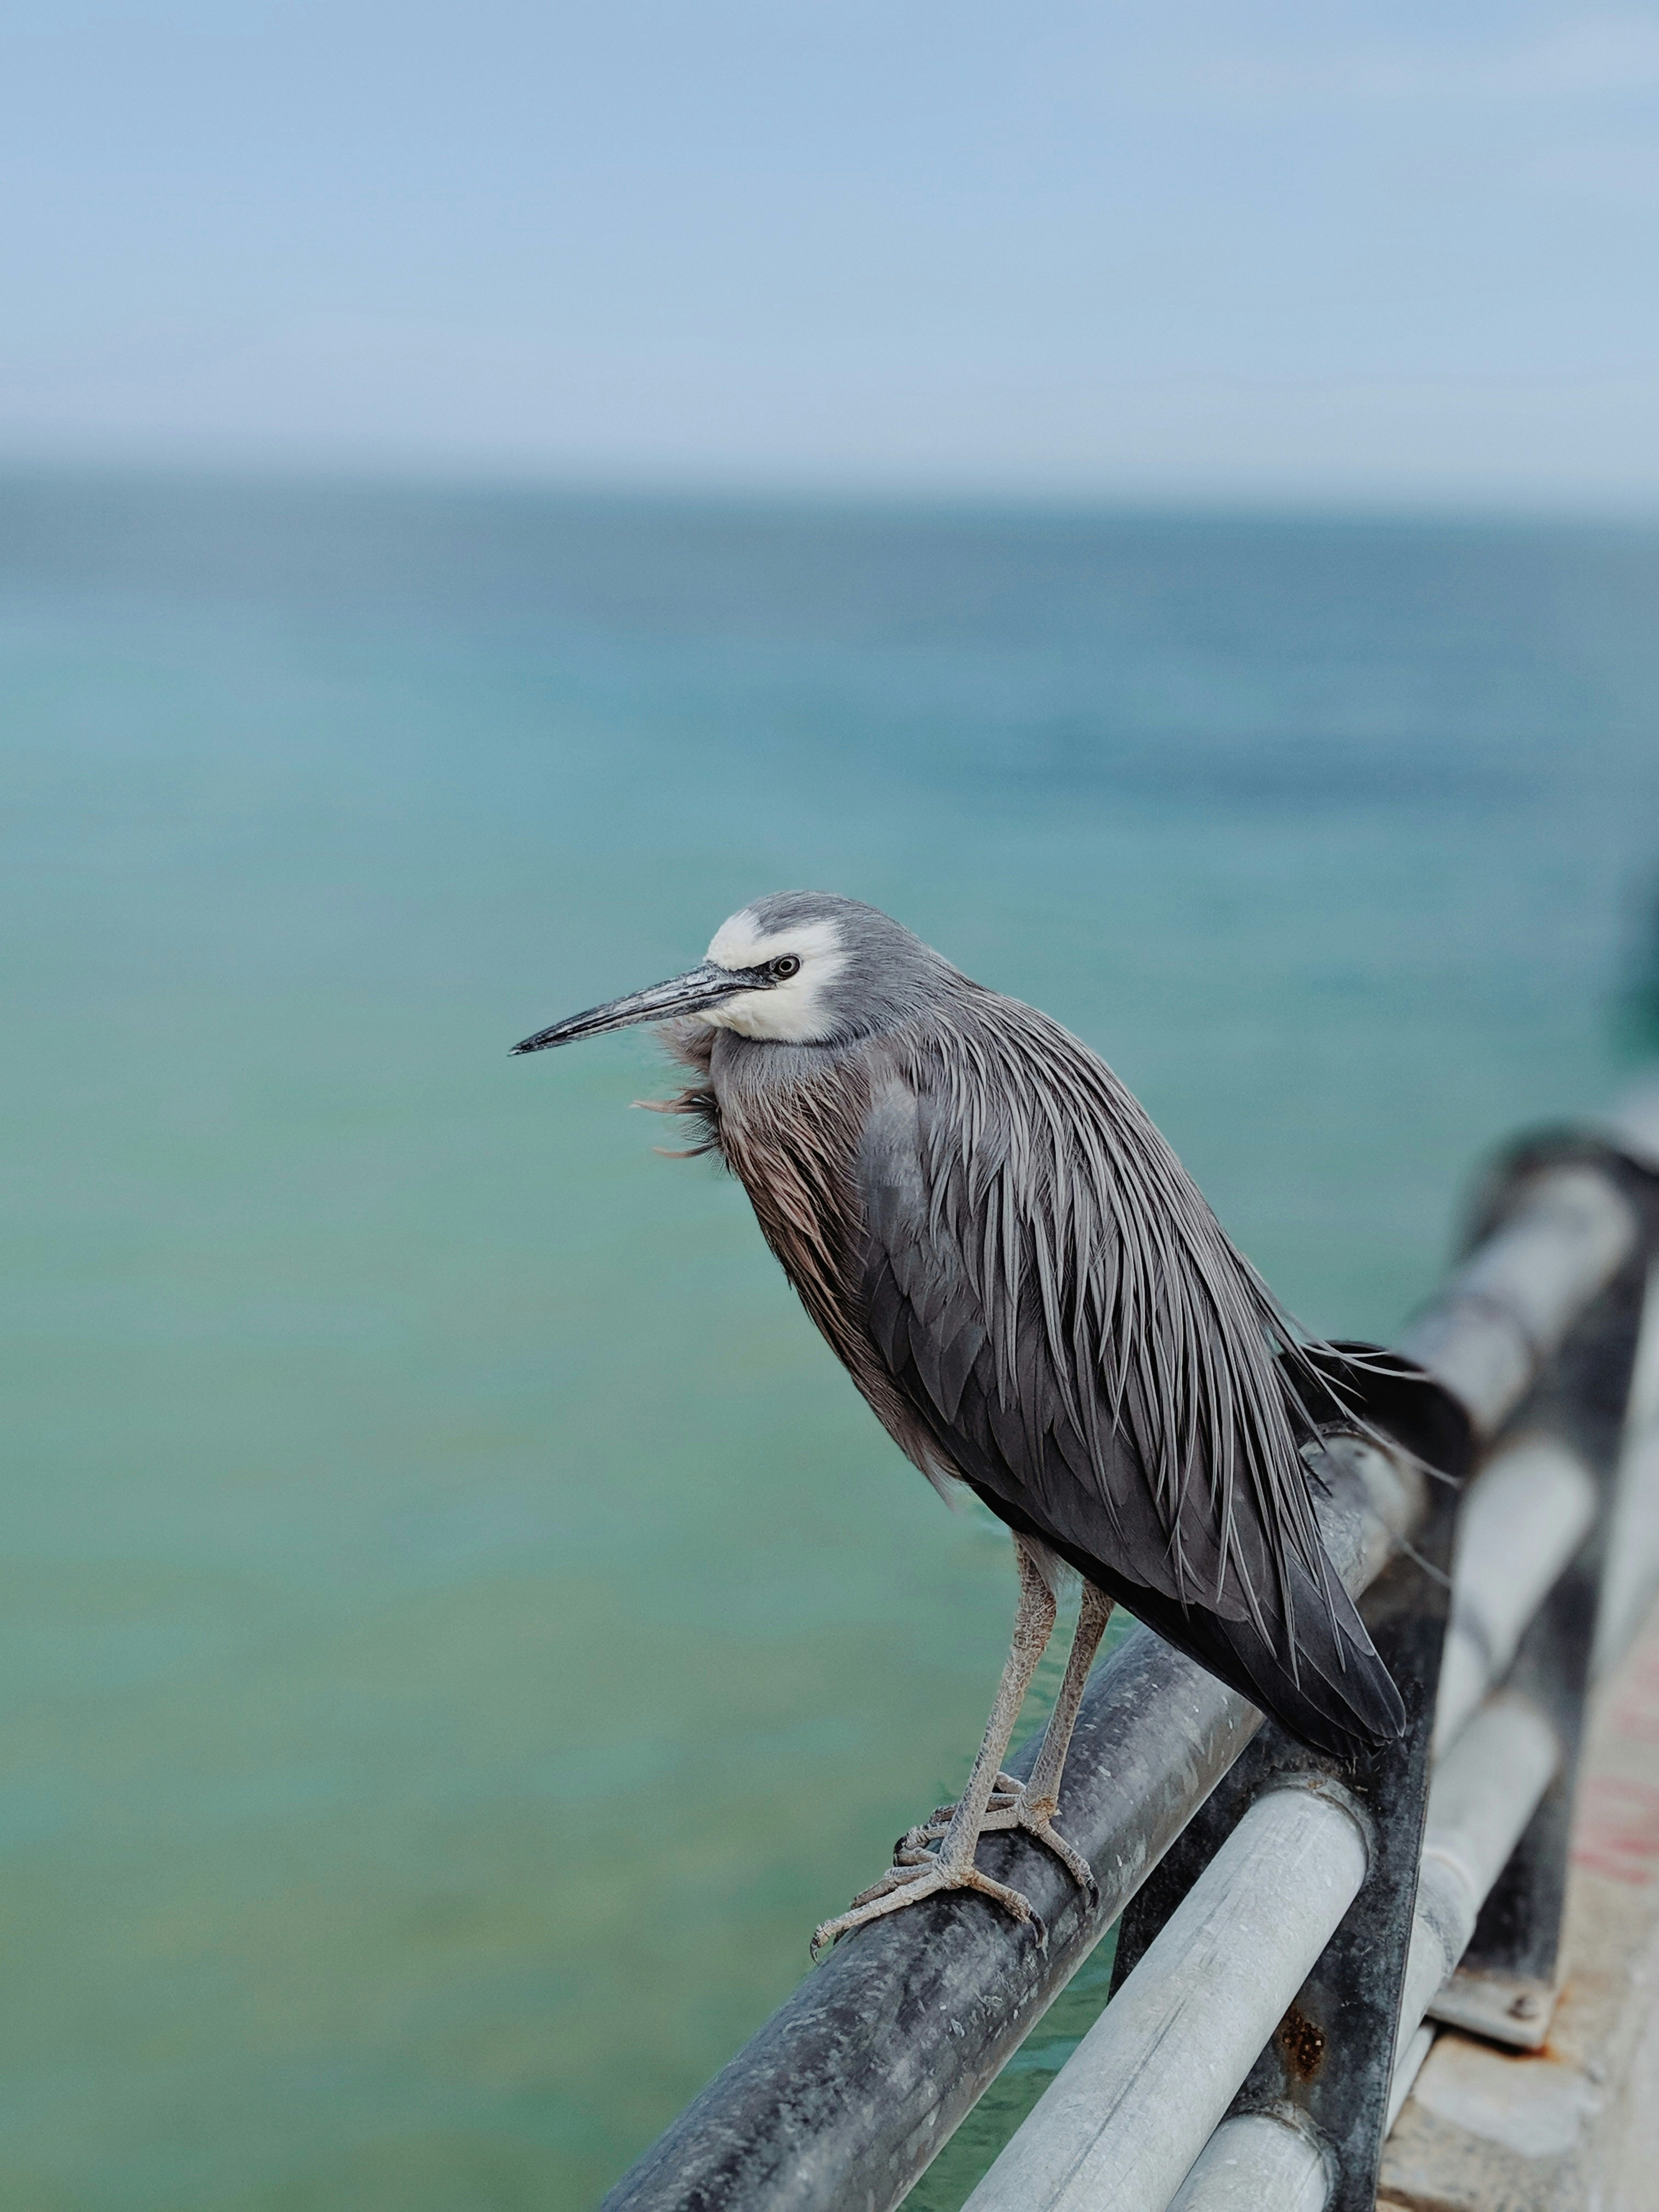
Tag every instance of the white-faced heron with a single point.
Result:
(1036, 1301)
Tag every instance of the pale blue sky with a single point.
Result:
(1281, 250)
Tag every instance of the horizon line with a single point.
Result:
(1291, 499)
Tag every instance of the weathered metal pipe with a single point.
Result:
(1509, 1307)
(1255, 2160)
(846, 2094)
(1633, 1566)
(1644, 1410)
(1406, 2071)
(1524, 1517)
(1485, 1791)
(1123, 2118)
(1633, 1553)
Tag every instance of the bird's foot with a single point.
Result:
(918, 1842)
(925, 1874)
(1012, 1806)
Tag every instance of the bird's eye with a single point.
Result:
(784, 969)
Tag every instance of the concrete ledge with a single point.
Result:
(1575, 2126)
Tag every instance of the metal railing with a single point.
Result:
(1286, 1922)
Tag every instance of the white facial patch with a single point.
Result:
(791, 1012)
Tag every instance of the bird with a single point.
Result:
(1038, 1305)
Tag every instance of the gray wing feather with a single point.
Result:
(1047, 1289)
(1096, 1375)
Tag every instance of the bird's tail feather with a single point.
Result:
(1339, 1697)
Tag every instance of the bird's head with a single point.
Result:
(795, 968)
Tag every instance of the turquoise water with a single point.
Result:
(462, 1631)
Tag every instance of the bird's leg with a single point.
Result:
(1042, 1790)
(925, 1874)
(1032, 1805)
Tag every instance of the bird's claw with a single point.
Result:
(1010, 1808)
(926, 1875)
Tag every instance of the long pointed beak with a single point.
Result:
(705, 985)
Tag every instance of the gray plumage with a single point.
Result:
(1034, 1298)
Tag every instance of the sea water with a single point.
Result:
(461, 1629)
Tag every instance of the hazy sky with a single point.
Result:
(1398, 251)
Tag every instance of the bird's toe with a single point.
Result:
(908, 1885)
(1005, 1794)
(1010, 1808)
(1037, 1823)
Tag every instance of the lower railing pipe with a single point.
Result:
(1255, 2160)
(1526, 1515)
(1485, 1793)
(1124, 2116)
(1408, 2066)
(1633, 1549)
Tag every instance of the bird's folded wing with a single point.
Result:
(1050, 1294)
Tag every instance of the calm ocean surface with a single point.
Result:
(461, 1630)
